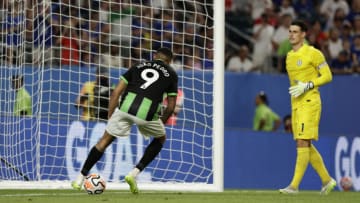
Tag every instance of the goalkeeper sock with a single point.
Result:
(150, 153)
(302, 161)
(318, 164)
(91, 160)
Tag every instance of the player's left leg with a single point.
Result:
(151, 151)
(318, 164)
(94, 156)
(328, 187)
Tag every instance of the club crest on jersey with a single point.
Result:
(298, 62)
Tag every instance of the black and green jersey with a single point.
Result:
(146, 84)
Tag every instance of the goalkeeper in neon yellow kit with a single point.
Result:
(307, 70)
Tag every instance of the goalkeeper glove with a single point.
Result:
(300, 88)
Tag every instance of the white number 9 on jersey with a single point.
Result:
(149, 78)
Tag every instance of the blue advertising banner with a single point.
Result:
(57, 149)
(265, 160)
(253, 160)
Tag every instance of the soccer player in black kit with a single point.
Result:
(141, 88)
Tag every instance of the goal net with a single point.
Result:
(51, 115)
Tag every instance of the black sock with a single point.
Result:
(150, 153)
(91, 160)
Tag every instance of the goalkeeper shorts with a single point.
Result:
(305, 120)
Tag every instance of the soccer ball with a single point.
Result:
(94, 184)
(346, 183)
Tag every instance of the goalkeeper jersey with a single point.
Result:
(307, 64)
(146, 84)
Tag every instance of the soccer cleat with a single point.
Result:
(328, 187)
(75, 185)
(288, 190)
(132, 183)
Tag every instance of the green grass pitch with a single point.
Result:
(228, 196)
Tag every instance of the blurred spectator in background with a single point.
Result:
(263, 33)
(346, 32)
(282, 31)
(94, 97)
(354, 10)
(112, 57)
(265, 119)
(104, 11)
(356, 25)
(280, 41)
(333, 45)
(78, 32)
(329, 7)
(120, 19)
(355, 51)
(342, 64)
(338, 20)
(258, 7)
(23, 103)
(138, 41)
(286, 7)
(347, 46)
(69, 44)
(305, 9)
(164, 30)
(287, 123)
(242, 6)
(240, 62)
(44, 19)
(316, 36)
(15, 20)
(94, 34)
(3, 9)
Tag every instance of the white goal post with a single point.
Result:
(52, 49)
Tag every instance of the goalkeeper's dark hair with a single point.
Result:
(301, 24)
(166, 52)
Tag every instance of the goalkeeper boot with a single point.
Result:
(326, 189)
(288, 190)
(132, 183)
(77, 184)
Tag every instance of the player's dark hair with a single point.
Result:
(288, 116)
(301, 24)
(17, 78)
(263, 97)
(166, 52)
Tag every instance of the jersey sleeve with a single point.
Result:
(127, 76)
(323, 68)
(173, 88)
